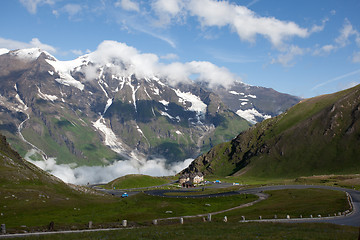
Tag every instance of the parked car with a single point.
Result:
(124, 195)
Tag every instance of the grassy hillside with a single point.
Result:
(136, 181)
(320, 135)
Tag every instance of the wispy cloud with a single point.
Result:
(252, 3)
(336, 79)
(319, 28)
(155, 35)
(345, 34)
(287, 58)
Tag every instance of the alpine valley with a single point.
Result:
(101, 107)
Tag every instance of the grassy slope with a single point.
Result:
(136, 181)
(317, 136)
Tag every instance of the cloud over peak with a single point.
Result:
(147, 65)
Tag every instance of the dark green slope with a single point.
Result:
(320, 135)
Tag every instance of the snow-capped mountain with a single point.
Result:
(115, 103)
(92, 111)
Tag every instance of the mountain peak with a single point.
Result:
(29, 54)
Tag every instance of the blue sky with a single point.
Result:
(301, 47)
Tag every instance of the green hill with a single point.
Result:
(137, 181)
(32, 197)
(320, 135)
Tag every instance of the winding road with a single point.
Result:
(351, 219)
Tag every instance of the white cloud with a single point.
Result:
(35, 42)
(244, 21)
(205, 71)
(148, 65)
(172, 7)
(345, 33)
(167, 10)
(31, 5)
(142, 64)
(212, 74)
(319, 28)
(324, 50)
(239, 19)
(128, 5)
(103, 174)
(287, 58)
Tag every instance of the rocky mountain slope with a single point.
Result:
(93, 112)
(103, 107)
(254, 103)
(320, 135)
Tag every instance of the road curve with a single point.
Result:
(352, 219)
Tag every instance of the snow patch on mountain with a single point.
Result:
(196, 104)
(64, 69)
(110, 138)
(251, 114)
(4, 51)
(23, 105)
(108, 104)
(168, 115)
(165, 103)
(236, 93)
(46, 96)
